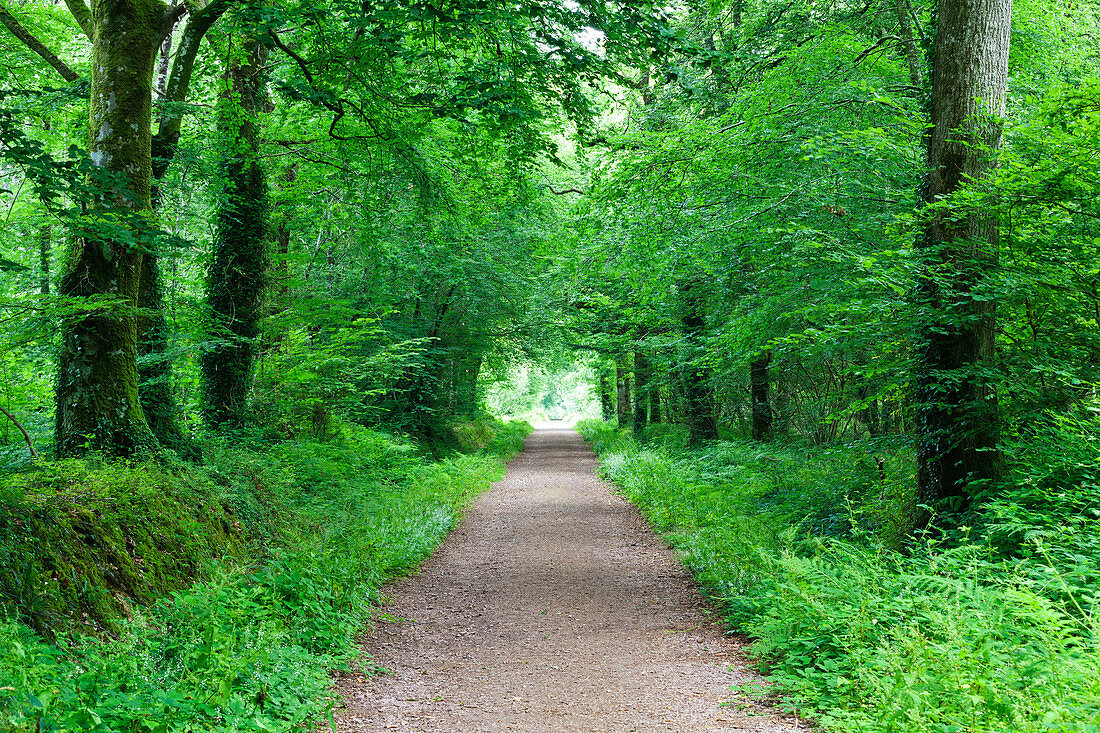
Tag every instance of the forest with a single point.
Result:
(822, 278)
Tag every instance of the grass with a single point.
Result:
(863, 629)
(269, 561)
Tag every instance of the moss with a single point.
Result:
(79, 544)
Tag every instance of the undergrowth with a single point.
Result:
(864, 629)
(262, 567)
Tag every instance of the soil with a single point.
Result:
(552, 607)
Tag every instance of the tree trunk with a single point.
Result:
(902, 11)
(45, 252)
(238, 268)
(655, 412)
(700, 413)
(607, 401)
(97, 386)
(643, 372)
(957, 407)
(162, 66)
(758, 389)
(623, 409)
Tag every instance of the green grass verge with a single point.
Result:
(799, 547)
(222, 598)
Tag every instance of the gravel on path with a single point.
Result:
(552, 607)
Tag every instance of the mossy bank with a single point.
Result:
(152, 596)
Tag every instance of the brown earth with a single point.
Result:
(552, 607)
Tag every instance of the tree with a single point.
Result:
(695, 378)
(97, 385)
(102, 393)
(239, 264)
(957, 404)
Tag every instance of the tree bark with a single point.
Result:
(758, 389)
(957, 405)
(97, 385)
(239, 265)
(902, 10)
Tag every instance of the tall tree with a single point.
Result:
(97, 385)
(622, 390)
(238, 267)
(957, 405)
(758, 394)
(104, 399)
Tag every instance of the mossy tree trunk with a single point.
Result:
(97, 386)
(239, 265)
(957, 405)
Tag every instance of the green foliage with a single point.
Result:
(995, 632)
(490, 436)
(538, 393)
(318, 526)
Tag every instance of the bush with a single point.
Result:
(802, 548)
(322, 526)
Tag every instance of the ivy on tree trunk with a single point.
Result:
(239, 264)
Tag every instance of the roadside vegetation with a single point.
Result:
(154, 596)
(989, 627)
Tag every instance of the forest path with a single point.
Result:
(552, 607)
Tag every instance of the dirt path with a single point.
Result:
(553, 607)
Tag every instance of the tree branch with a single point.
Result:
(172, 15)
(171, 120)
(37, 46)
(26, 436)
(81, 14)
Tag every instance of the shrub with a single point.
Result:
(864, 634)
(250, 647)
